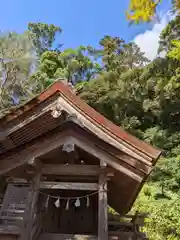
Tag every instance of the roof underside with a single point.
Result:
(27, 126)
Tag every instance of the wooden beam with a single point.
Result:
(16, 180)
(48, 145)
(69, 186)
(69, 178)
(74, 170)
(102, 206)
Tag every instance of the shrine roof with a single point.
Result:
(59, 88)
(32, 131)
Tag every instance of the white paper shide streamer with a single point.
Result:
(77, 203)
(57, 203)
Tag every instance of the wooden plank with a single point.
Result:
(9, 229)
(17, 181)
(69, 186)
(21, 206)
(57, 236)
(11, 218)
(18, 205)
(73, 169)
(102, 206)
(14, 211)
(14, 195)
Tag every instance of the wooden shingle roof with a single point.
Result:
(96, 118)
(28, 124)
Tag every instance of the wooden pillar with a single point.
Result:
(31, 206)
(102, 206)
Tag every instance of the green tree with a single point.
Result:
(171, 32)
(15, 68)
(110, 50)
(174, 52)
(72, 64)
(163, 220)
(132, 56)
(141, 10)
(145, 10)
(43, 36)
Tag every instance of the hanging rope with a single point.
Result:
(70, 198)
(77, 203)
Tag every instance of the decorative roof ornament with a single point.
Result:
(68, 147)
(56, 111)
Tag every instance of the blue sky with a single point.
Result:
(83, 22)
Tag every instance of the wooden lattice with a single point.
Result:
(14, 203)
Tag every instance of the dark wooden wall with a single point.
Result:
(75, 220)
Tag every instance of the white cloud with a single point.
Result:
(148, 41)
